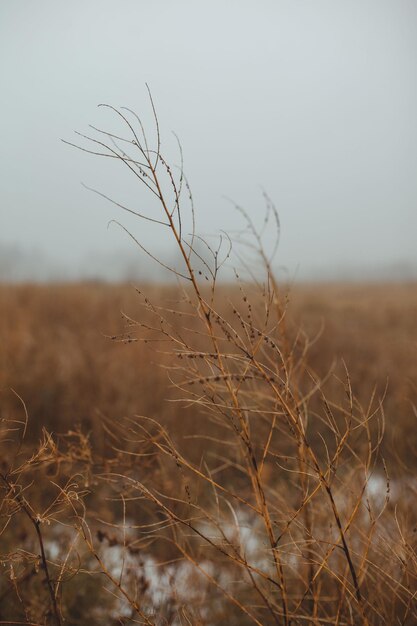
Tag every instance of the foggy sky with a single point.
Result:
(314, 101)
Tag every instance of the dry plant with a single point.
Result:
(275, 508)
(42, 491)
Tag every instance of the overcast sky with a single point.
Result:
(313, 100)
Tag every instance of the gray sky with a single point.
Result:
(315, 101)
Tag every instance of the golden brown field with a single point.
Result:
(58, 355)
(136, 507)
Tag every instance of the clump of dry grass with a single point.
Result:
(274, 507)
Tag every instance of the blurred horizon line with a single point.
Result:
(20, 265)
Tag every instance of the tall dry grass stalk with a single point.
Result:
(266, 511)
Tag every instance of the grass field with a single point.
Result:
(58, 355)
(168, 521)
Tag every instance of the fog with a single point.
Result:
(315, 102)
